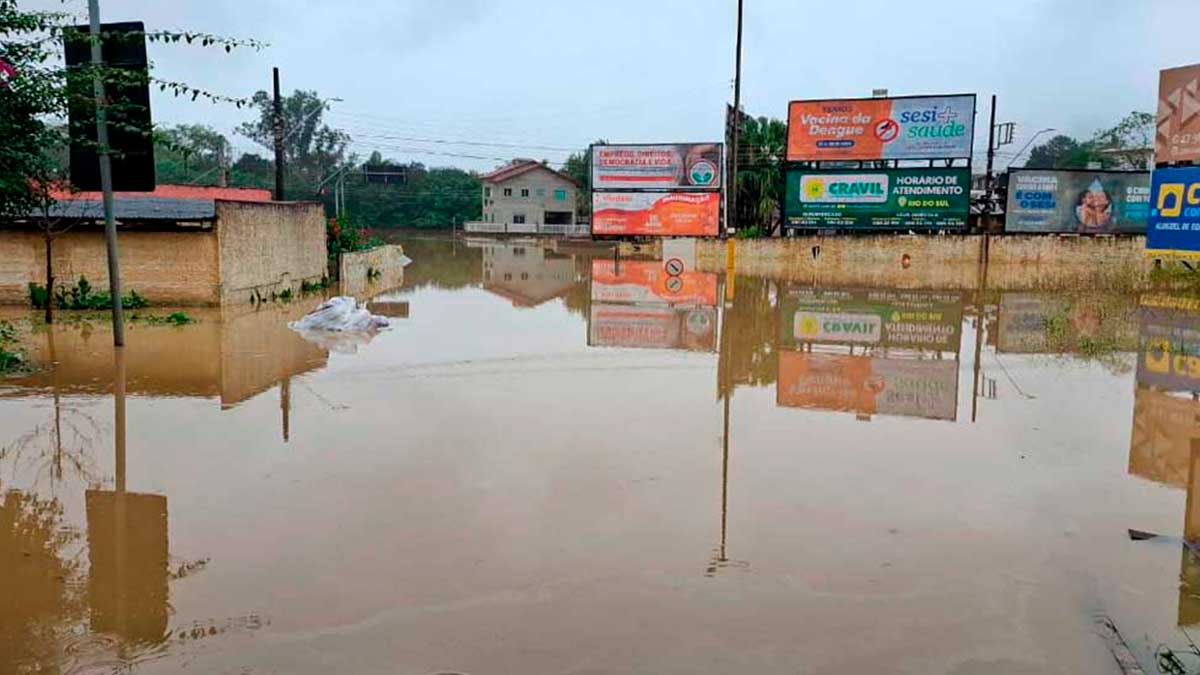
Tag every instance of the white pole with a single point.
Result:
(106, 183)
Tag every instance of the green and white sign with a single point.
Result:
(883, 199)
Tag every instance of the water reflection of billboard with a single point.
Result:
(656, 213)
(653, 326)
(892, 318)
(647, 281)
(867, 385)
(1090, 202)
(127, 552)
(1163, 428)
(1169, 344)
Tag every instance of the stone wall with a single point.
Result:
(171, 267)
(267, 248)
(386, 259)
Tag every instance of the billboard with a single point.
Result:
(885, 318)
(670, 214)
(645, 281)
(1178, 135)
(878, 199)
(1088, 202)
(653, 327)
(1163, 429)
(912, 127)
(681, 166)
(1174, 224)
(868, 386)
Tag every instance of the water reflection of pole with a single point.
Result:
(285, 406)
(119, 512)
(726, 391)
(979, 320)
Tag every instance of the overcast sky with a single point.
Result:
(536, 78)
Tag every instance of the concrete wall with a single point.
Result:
(940, 262)
(267, 248)
(1019, 262)
(534, 206)
(1014, 262)
(176, 267)
(352, 273)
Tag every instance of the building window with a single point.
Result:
(487, 192)
(508, 276)
(524, 192)
(518, 218)
(524, 276)
(560, 195)
(518, 250)
(507, 192)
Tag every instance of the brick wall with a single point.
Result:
(175, 268)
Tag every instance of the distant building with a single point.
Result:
(528, 193)
(527, 276)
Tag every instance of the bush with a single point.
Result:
(10, 357)
(348, 235)
(83, 296)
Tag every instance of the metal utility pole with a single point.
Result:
(737, 123)
(277, 124)
(106, 180)
(991, 156)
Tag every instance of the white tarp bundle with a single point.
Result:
(341, 313)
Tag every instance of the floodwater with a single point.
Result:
(561, 462)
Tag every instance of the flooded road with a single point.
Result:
(561, 462)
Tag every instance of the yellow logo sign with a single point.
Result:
(1171, 198)
(814, 188)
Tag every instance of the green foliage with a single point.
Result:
(311, 148)
(752, 232)
(373, 274)
(760, 177)
(285, 295)
(309, 287)
(579, 167)
(438, 198)
(347, 236)
(10, 355)
(81, 296)
(172, 319)
(38, 295)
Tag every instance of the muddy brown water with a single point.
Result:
(558, 462)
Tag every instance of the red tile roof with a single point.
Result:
(177, 192)
(519, 168)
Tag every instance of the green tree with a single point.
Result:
(1127, 145)
(311, 148)
(190, 153)
(1054, 153)
(760, 179)
(579, 167)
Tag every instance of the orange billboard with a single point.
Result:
(868, 385)
(646, 281)
(669, 214)
(907, 127)
(1178, 135)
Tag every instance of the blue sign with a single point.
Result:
(1174, 225)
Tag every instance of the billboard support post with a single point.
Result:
(737, 131)
(106, 179)
(991, 155)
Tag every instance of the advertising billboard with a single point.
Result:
(912, 127)
(878, 199)
(681, 166)
(1178, 135)
(886, 318)
(1163, 429)
(1088, 202)
(867, 385)
(1174, 225)
(653, 327)
(645, 281)
(670, 214)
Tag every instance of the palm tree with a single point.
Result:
(760, 178)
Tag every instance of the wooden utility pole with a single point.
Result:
(106, 179)
(737, 125)
(277, 127)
